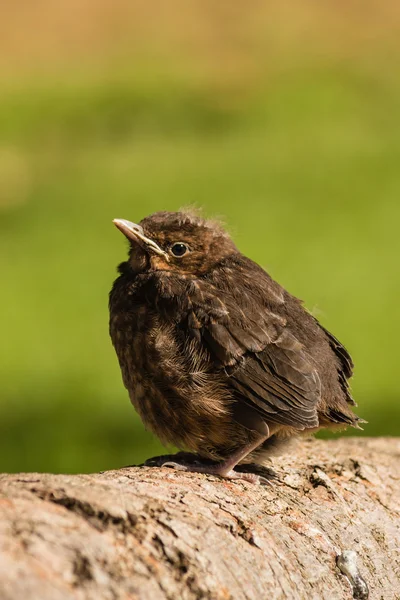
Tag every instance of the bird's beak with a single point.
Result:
(135, 233)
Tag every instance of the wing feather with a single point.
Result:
(266, 366)
(346, 364)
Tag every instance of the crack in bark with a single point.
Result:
(99, 519)
(82, 569)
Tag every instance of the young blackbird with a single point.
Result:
(216, 356)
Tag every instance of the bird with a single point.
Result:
(218, 358)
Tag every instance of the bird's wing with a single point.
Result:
(266, 365)
(346, 364)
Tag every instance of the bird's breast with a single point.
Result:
(171, 383)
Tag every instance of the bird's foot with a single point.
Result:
(216, 470)
(191, 463)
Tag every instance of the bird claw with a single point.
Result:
(250, 478)
(175, 465)
(267, 482)
(184, 458)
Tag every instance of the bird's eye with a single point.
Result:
(179, 249)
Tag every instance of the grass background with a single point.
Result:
(282, 119)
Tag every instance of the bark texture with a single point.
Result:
(149, 533)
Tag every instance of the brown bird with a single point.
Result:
(217, 357)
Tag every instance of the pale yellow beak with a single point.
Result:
(135, 233)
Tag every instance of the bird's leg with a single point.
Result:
(225, 468)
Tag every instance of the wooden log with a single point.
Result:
(330, 531)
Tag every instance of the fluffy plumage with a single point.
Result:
(215, 354)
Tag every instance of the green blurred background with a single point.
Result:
(282, 117)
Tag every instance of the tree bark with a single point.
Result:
(155, 533)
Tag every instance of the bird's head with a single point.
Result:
(180, 242)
